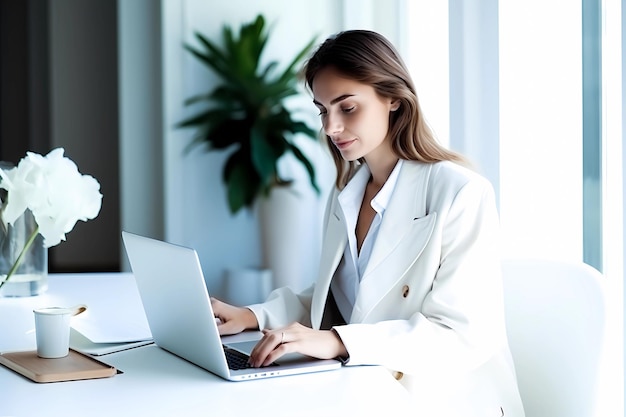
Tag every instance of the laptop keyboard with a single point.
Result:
(236, 360)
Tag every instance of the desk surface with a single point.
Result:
(157, 383)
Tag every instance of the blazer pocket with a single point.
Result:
(422, 229)
(412, 244)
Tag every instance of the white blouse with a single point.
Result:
(345, 283)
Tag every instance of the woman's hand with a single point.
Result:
(321, 344)
(233, 319)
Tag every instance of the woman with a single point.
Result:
(410, 271)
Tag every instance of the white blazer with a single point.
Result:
(429, 306)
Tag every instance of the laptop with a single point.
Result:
(178, 308)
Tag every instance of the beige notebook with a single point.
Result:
(73, 367)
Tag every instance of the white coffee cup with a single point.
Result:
(52, 330)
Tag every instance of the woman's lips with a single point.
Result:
(344, 144)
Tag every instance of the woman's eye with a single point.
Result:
(348, 110)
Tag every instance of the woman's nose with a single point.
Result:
(333, 125)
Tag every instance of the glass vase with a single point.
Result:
(31, 275)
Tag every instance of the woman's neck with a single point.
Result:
(380, 166)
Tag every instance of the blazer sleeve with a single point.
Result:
(283, 307)
(460, 322)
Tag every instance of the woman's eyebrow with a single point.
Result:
(335, 100)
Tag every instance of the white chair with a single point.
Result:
(555, 317)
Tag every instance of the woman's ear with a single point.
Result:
(395, 104)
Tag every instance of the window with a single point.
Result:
(502, 82)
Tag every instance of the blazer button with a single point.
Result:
(398, 375)
(405, 291)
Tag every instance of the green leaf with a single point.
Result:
(300, 127)
(308, 166)
(289, 71)
(197, 98)
(264, 156)
(213, 50)
(213, 59)
(242, 182)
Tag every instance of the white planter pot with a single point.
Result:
(246, 286)
(286, 222)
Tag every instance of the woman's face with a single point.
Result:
(353, 115)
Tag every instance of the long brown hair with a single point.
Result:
(368, 57)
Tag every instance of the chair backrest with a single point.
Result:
(555, 317)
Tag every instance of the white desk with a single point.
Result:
(156, 383)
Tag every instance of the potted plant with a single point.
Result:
(246, 113)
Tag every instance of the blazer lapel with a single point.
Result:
(404, 232)
(333, 246)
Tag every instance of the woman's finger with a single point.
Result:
(260, 352)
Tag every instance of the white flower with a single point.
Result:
(54, 191)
